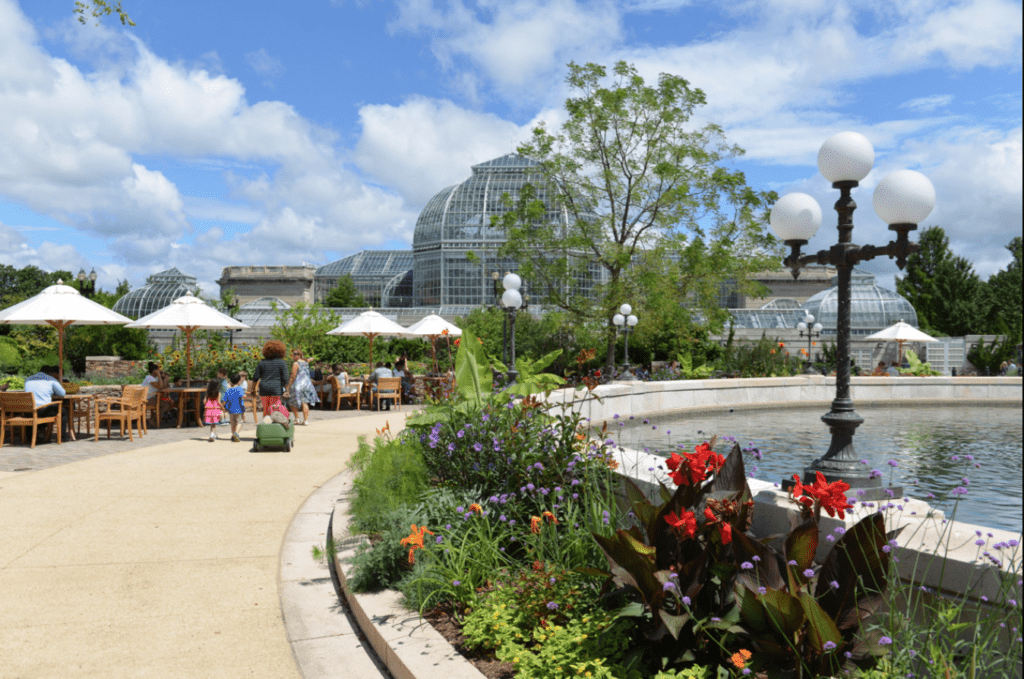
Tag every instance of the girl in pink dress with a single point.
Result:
(212, 409)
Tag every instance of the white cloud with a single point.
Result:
(928, 104)
(72, 143)
(264, 64)
(424, 145)
(518, 45)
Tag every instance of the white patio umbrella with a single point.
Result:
(60, 306)
(902, 332)
(188, 314)
(432, 327)
(369, 324)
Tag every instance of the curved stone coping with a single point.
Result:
(327, 642)
(651, 398)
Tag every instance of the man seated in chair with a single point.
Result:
(382, 370)
(44, 385)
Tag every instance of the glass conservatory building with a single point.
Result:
(872, 308)
(374, 272)
(456, 223)
(160, 290)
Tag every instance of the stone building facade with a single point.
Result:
(293, 284)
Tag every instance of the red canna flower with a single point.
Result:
(686, 524)
(692, 468)
(831, 496)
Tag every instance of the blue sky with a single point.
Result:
(228, 133)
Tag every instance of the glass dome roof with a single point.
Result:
(160, 290)
(463, 212)
(260, 312)
(872, 308)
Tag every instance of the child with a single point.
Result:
(212, 408)
(234, 404)
(222, 375)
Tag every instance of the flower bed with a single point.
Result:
(513, 519)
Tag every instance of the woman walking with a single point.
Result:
(272, 375)
(302, 390)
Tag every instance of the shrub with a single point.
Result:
(391, 475)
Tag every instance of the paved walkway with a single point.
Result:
(157, 560)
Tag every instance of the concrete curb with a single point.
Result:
(335, 632)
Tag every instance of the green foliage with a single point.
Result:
(389, 475)
(17, 285)
(918, 368)
(305, 326)
(766, 357)
(345, 295)
(950, 299)
(385, 562)
(97, 9)
(547, 623)
(206, 361)
(10, 357)
(655, 177)
(989, 358)
(13, 382)
(707, 586)
(1005, 291)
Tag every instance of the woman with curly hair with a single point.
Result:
(272, 375)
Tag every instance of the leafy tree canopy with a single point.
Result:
(1005, 292)
(98, 9)
(345, 295)
(628, 171)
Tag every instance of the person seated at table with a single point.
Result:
(43, 386)
(155, 380)
(879, 370)
(894, 369)
(382, 370)
(402, 370)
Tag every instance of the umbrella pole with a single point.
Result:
(188, 356)
(60, 326)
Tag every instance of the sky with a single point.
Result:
(224, 133)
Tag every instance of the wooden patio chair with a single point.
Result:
(18, 409)
(388, 388)
(81, 414)
(353, 397)
(252, 399)
(130, 407)
(129, 388)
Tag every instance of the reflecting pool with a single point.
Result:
(932, 449)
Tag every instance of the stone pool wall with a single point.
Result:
(650, 398)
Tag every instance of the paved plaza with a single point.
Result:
(161, 557)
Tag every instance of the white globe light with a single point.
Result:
(808, 319)
(904, 197)
(512, 281)
(817, 327)
(618, 319)
(847, 156)
(625, 310)
(801, 326)
(632, 320)
(796, 216)
(512, 299)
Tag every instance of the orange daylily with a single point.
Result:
(476, 508)
(549, 516)
(415, 540)
(740, 658)
(535, 524)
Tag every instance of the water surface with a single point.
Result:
(934, 449)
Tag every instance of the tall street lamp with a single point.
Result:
(626, 321)
(87, 286)
(811, 329)
(902, 200)
(512, 300)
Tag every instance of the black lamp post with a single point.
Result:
(811, 329)
(512, 300)
(626, 321)
(232, 310)
(902, 200)
(87, 284)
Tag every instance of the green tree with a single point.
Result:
(304, 326)
(97, 9)
(345, 295)
(17, 285)
(105, 340)
(949, 297)
(628, 171)
(1005, 292)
